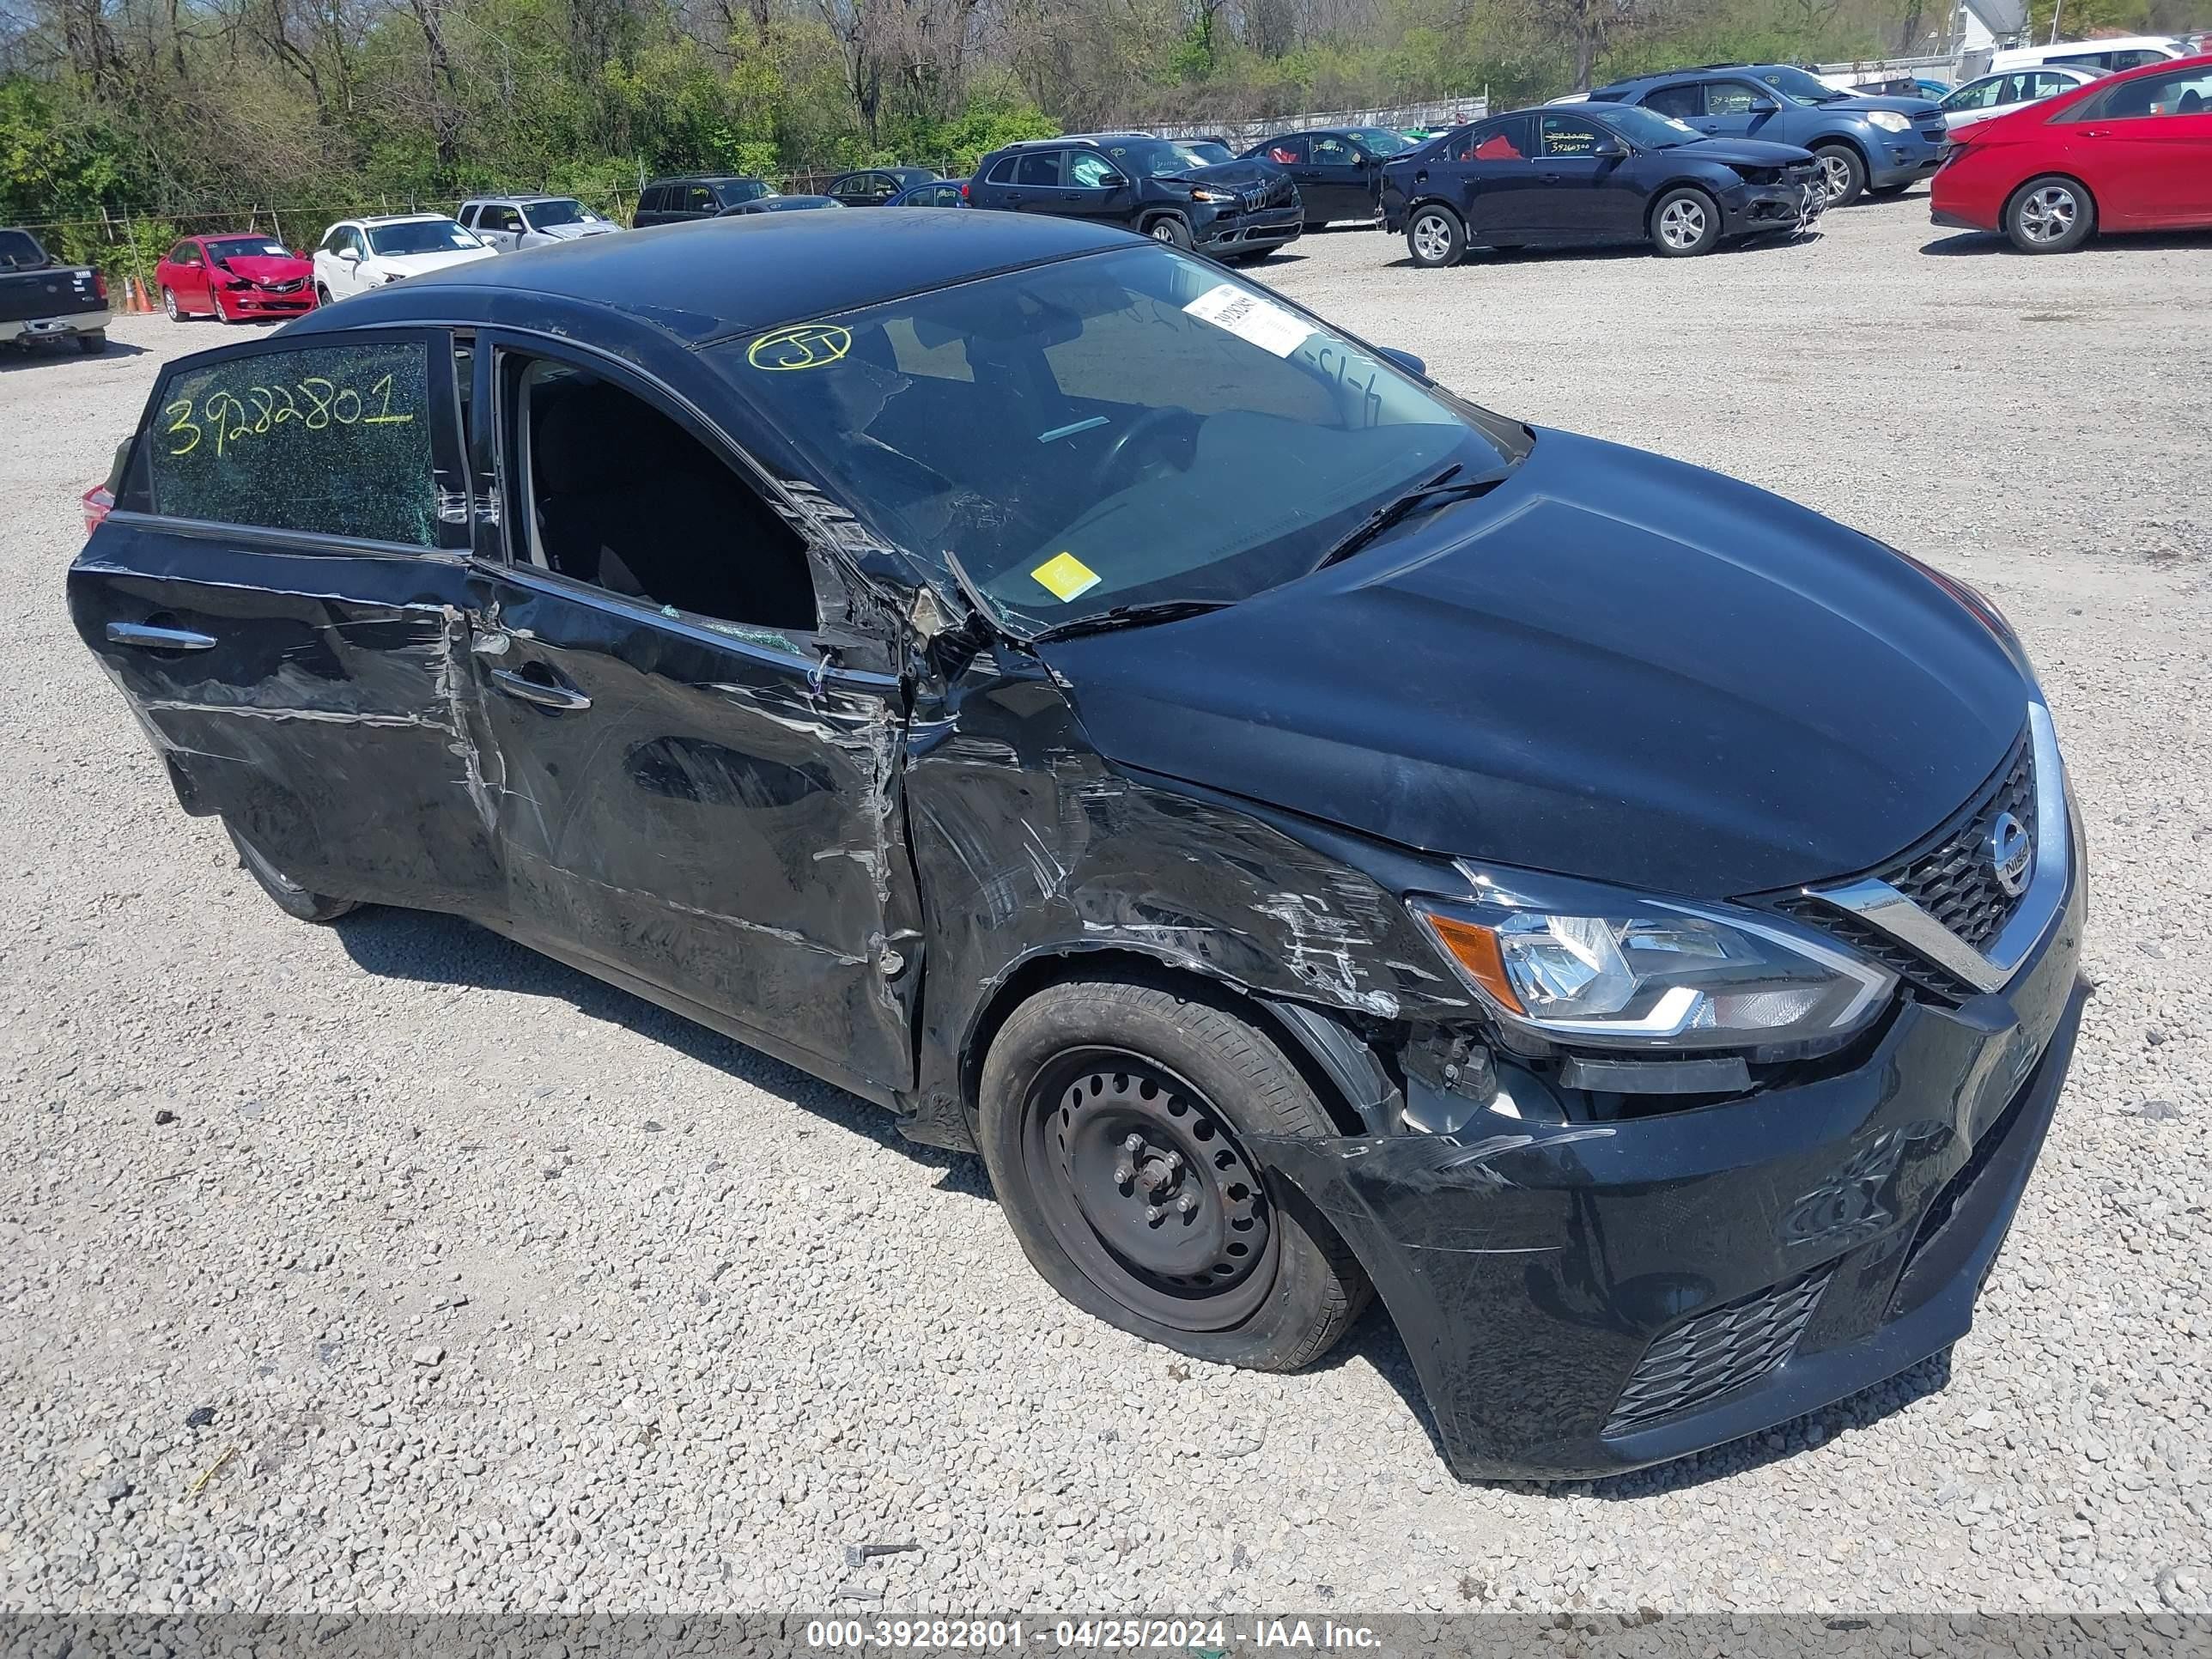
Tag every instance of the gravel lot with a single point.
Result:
(392, 1266)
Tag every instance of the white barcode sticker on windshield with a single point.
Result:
(1249, 317)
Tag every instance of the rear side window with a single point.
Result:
(1039, 168)
(1682, 102)
(1002, 171)
(1287, 152)
(333, 440)
(650, 201)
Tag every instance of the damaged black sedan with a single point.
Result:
(1314, 837)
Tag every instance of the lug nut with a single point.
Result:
(1185, 1204)
(1175, 1160)
(1153, 1212)
(1133, 1145)
(1123, 1175)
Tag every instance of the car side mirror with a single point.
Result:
(351, 256)
(1764, 107)
(1607, 149)
(1405, 360)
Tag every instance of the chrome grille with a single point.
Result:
(1718, 1351)
(1951, 875)
(292, 287)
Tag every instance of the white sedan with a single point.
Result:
(2000, 94)
(356, 255)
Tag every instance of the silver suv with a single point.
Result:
(508, 222)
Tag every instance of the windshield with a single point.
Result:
(1157, 158)
(246, 248)
(1799, 87)
(1648, 130)
(420, 236)
(1207, 151)
(19, 251)
(1122, 428)
(743, 190)
(1380, 141)
(564, 211)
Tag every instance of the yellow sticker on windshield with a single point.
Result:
(807, 345)
(1066, 577)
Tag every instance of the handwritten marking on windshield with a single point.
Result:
(804, 345)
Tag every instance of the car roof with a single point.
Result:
(717, 277)
(511, 201)
(706, 179)
(1695, 72)
(393, 218)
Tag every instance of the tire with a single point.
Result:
(2050, 214)
(1435, 237)
(1842, 173)
(170, 308)
(1685, 223)
(1169, 229)
(1313, 225)
(94, 343)
(322, 296)
(294, 900)
(1887, 190)
(1233, 1268)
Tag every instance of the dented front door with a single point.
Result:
(710, 811)
(281, 596)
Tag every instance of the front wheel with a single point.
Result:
(322, 294)
(296, 902)
(1843, 175)
(1685, 222)
(1169, 229)
(2050, 215)
(1435, 237)
(1116, 1122)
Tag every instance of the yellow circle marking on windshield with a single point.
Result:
(808, 345)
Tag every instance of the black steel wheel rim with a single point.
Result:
(1147, 1188)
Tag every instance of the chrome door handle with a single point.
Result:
(566, 698)
(148, 638)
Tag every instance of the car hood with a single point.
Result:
(1863, 103)
(1741, 153)
(265, 267)
(1613, 666)
(571, 232)
(1236, 175)
(413, 265)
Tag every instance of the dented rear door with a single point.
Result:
(280, 594)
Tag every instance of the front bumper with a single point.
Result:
(1767, 209)
(260, 302)
(1904, 158)
(54, 328)
(1580, 1299)
(1244, 233)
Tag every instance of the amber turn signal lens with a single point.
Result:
(1476, 948)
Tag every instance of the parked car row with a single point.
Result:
(2055, 143)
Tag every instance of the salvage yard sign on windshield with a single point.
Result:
(1249, 317)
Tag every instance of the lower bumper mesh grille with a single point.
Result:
(1718, 1351)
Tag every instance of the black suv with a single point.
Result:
(1186, 194)
(678, 200)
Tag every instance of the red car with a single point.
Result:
(239, 278)
(2130, 152)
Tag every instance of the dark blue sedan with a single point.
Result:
(1580, 174)
(933, 192)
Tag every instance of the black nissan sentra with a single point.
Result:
(1313, 836)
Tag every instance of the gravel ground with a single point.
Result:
(391, 1267)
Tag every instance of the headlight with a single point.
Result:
(1889, 120)
(1201, 193)
(1651, 973)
